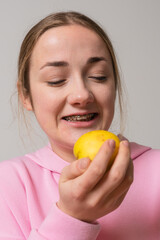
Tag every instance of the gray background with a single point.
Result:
(133, 26)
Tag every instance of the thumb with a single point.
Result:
(75, 169)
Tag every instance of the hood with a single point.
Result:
(137, 150)
(46, 158)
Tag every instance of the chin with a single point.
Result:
(78, 134)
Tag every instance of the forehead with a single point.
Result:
(64, 41)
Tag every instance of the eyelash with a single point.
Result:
(56, 82)
(100, 78)
(59, 82)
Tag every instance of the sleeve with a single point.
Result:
(16, 222)
(58, 225)
(9, 227)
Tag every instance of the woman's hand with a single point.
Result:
(87, 191)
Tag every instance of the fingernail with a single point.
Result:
(112, 143)
(126, 143)
(83, 163)
(120, 136)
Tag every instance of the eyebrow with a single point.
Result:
(65, 64)
(55, 64)
(96, 59)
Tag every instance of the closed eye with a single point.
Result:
(54, 83)
(101, 78)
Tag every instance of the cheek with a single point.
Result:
(46, 107)
(107, 102)
(108, 107)
(107, 98)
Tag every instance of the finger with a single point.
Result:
(119, 168)
(75, 169)
(126, 183)
(113, 178)
(97, 168)
(118, 195)
(116, 202)
(110, 202)
(121, 137)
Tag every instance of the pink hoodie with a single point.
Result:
(29, 192)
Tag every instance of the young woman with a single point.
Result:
(68, 76)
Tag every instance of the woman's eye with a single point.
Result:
(100, 78)
(56, 83)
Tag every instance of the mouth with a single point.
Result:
(81, 118)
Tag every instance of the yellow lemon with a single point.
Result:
(89, 144)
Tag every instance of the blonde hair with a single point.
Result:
(57, 20)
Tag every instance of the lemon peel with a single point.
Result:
(89, 144)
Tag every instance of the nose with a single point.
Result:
(80, 95)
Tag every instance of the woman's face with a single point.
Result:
(72, 85)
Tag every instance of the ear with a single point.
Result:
(24, 98)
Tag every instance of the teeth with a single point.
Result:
(76, 118)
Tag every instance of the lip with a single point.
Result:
(81, 124)
(79, 113)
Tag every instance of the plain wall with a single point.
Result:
(133, 26)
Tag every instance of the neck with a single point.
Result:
(66, 153)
